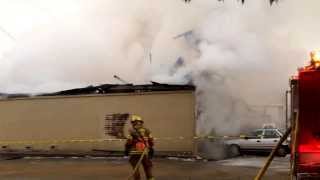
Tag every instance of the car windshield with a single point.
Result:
(282, 131)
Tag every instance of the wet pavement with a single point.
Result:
(244, 167)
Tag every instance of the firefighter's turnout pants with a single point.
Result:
(146, 163)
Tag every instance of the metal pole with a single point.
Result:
(271, 156)
(119, 79)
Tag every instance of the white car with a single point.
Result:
(259, 140)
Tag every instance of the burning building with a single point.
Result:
(94, 120)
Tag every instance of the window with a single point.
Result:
(270, 134)
(257, 133)
(114, 124)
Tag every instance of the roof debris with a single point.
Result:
(125, 88)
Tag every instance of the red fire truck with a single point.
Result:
(305, 121)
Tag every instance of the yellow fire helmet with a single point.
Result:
(136, 118)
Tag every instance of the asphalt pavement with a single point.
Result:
(239, 168)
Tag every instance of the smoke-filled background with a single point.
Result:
(240, 57)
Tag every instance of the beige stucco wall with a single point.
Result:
(168, 115)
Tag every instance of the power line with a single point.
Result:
(242, 1)
(7, 33)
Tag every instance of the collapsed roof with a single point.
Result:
(125, 88)
(109, 89)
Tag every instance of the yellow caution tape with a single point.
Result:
(182, 138)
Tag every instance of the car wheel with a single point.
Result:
(282, 151)
(234, 150)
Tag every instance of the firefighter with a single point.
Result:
(139, 147)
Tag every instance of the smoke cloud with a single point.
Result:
(239, 56)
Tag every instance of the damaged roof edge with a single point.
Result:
(125, 88)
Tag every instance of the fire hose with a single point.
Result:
(136, 168)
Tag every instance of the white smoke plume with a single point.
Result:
(237, 55)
